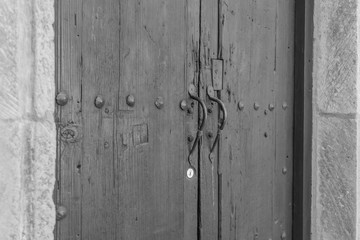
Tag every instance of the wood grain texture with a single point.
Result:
(125, 176)
(192, 69)
(257, 144)
(69, 117)
(100, 74)
(152, 176)
(208, 184)
(284, 94)
(122, 169)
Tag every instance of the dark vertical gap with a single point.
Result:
(276, 31)
(302, 119)
(81, 109)
(220, 30)
(199, 152)
(275, 89)
(299, 32)
(219, 172)
(115, 143)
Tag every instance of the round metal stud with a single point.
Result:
(241, 106)
(284, 170)
(61, 212)
(159, 102)
(192, 89)
(210, 135)
(183, 105)
(190, 138)
(271, 107)
(99, 101)
(130, 100)
(283, 236)
(106, 145)
(256, 106)
(62, 98)
(284, 106)
(190, 173)
(210, 91)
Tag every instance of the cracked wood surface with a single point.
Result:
(121, 169)
(123, 176)
(256, 149)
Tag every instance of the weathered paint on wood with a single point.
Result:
(152, 175)
(69, 117)
(122, 169)
(284, 100)
(191, 198)
(256, 147)
(100, 74)
(124, 176)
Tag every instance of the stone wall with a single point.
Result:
(335, 120)
(27, 129)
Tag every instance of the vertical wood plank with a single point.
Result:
(125, 175)
(208, 184)
(284, 95)
(192, 66)
(100, 57)
(236, 139)
(253, 53)
(158, 46)
(69, 117)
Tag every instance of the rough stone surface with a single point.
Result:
(335, 121)
(336, 177)
(28, 135)
(335, 55)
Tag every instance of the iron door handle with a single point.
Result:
(193, 95)
(211, 95)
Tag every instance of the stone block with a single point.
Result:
(10, 180)
(43, 36)
(335, 56)
(335, 192)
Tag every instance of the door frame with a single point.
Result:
(303, 62)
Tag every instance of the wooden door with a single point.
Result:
(245, 192)
(256, 148)
(126, 122)
(123, 68)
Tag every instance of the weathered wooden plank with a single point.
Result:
(261, 160)
(192, 66)
(208, 184)
(236, 38)
(158, 46)
(100, 69)
(249, 143)
(284, 85)
(69, 118)
(131, 161)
